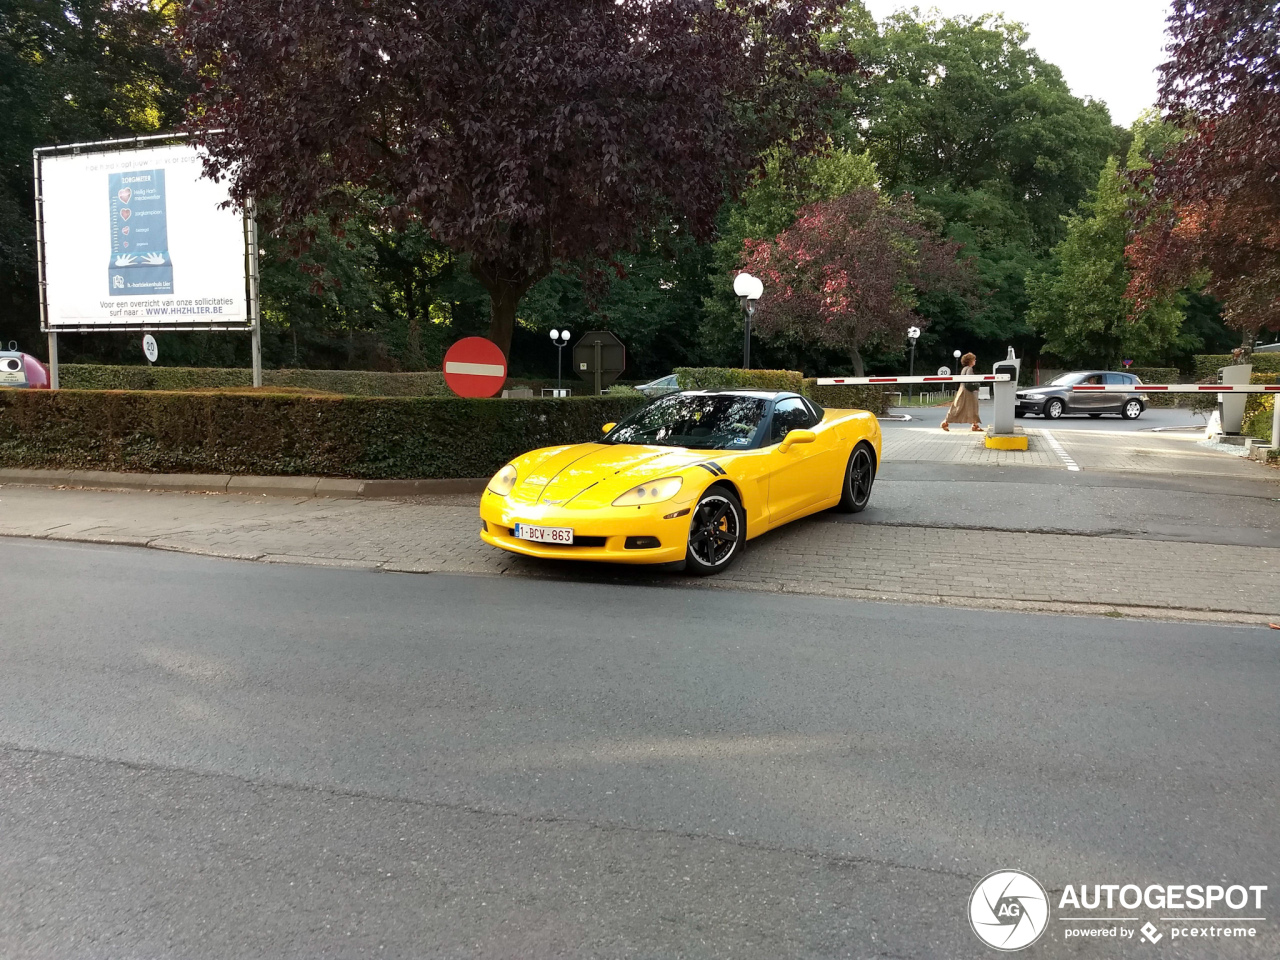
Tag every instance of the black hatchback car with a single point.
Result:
(1051, 400)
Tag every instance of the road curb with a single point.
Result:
(308, 487)
(1136, 613)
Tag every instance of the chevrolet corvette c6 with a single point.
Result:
(685, 481)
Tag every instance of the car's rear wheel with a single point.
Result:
(717, 531)
(1053, 409)
(1131, 410)
(859, 475)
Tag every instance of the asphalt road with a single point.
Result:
(204, 758)
(1153, 418)
(1148, 506)
(1152, 504)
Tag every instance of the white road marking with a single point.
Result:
(1060, 451)
(475, 369)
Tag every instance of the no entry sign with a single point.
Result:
(475, 367)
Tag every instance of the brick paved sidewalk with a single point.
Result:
(817, 555)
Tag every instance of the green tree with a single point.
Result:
(520, 133)
(1080, 305)
(963, 114)
(765, 209)
(850, 272)
(70, 71)
(650, 298)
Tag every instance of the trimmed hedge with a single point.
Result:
(92, 376)
(875, 399)
(271, 434)
(369, 383)
(1158, 375)
(358, 383)
(1258, 408)
(1207, 364)
(735, 378)
(1154, 374)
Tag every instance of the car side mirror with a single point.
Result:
(607, 427)
(797, 436)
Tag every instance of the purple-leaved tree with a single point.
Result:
(850, 271)
(521, 132)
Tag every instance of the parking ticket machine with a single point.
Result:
(1005, 394)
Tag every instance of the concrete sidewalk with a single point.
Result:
(819, 555)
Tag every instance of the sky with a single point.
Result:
(1107, 49)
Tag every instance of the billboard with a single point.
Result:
(136, 238)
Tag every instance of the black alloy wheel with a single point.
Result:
(716, 532)
(1053, 409)
(859, 475)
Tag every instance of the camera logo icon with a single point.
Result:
(1009, 910)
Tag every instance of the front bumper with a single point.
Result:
(605, 530)
(1030, 406)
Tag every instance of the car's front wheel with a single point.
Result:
(1053, 409)
(1131, 410)
(717, 531)
(859, 475)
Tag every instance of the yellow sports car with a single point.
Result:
(685, 481)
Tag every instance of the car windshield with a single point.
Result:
(698, 421)
(1066, 379)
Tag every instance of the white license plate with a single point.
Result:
(543, 534)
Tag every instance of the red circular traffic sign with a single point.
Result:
(475, 367)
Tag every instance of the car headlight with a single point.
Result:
(503, 481)
(654, 491)
(1033, 396)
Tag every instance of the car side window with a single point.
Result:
(1096, 379)
(789, 414)
(1118, 379)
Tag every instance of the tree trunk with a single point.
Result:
(856, 357)
(503, 301)
(506, 286)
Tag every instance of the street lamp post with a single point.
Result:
(913, 334)
(561, 339)
(749, 289)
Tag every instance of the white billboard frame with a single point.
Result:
(253, 322)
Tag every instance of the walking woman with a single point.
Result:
(964, 408)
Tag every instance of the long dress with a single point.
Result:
(964, 408)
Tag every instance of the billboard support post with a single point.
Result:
(255, 315)
(54, 382)
(54, 379)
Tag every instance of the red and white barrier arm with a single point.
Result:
(879, 381)
(1175, 388)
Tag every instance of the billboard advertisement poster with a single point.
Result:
(136, 237)
(140, 262)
